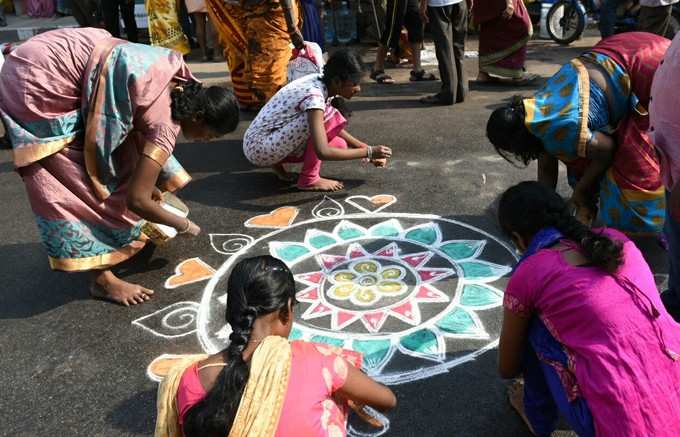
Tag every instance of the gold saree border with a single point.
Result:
(32, 153)
(500, 55)
(584, 96)
(99, 262)
(101, 51)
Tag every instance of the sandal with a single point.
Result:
(422, 76)
(381, 77)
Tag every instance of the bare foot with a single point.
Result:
(324, 184)
(282, 174)
(109, 287)
(516, 398)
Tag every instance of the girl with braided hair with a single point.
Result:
(591, 115)
(584, 325)
(93, 122)
(263, 385)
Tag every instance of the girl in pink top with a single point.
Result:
(261, 294)
(584, 324)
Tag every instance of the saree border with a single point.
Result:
(99, 262)
(101, 51)
(584, 96)
(500, 55)
(32, 153)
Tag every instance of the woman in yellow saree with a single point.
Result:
(257, 36)
(164, 28)
(263, 385)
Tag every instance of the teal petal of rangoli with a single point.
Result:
(423, 343)
(478, 295)
(459, 322)
(319, 239)
(428, 233)
(348, 230)
(462, 249)
(375, 352)
(390, 228)
(483, 271)
(288, 251)
(295, 334)
(327, 340)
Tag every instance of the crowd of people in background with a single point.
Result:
(583, 323)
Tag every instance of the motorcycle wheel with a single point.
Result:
(565, 22)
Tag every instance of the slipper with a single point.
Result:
(421, 76)
(381, 77)
(526, 79)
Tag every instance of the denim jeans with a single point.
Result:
(608, 17)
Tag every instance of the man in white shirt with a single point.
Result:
(448, 23)
(655, 16)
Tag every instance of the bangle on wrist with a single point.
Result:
(369, 153)
(186, 228)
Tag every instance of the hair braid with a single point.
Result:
(257, 286)
(529, 207)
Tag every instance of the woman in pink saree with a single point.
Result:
(93, 122)
(504, 31)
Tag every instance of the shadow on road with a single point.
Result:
(136, 415)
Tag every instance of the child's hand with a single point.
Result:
(380, 152)
(380, 162)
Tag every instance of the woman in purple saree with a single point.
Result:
(93, 122)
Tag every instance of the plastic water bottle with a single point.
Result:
(347, 25)
(329, 25)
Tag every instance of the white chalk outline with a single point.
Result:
(181, 306)
(296, 211)
(235, 239)
(318, 210)
(350, 201)
(396, 378)
(178, 273)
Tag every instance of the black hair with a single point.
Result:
(257, 286)
(509, 134)
(215, 106)
(343, 65)
(530, 206)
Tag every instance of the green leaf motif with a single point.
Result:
(348, 230)
(462, 249)
(327, 340)
(483, 269)
(389, 228)
(375, 352)
(426, 234)
(458, 321)
(423, 342)
(290, 251)
(477, 295)
(320, 241)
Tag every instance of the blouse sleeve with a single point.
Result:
(159, 131)
(313, 100)
(520, 293)
(334, 368)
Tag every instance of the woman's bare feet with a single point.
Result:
(324, 184)
(282, 174)
(516, 398)
(107, 286)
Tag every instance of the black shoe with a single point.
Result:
(436, 100)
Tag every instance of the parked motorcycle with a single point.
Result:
(567, 19)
